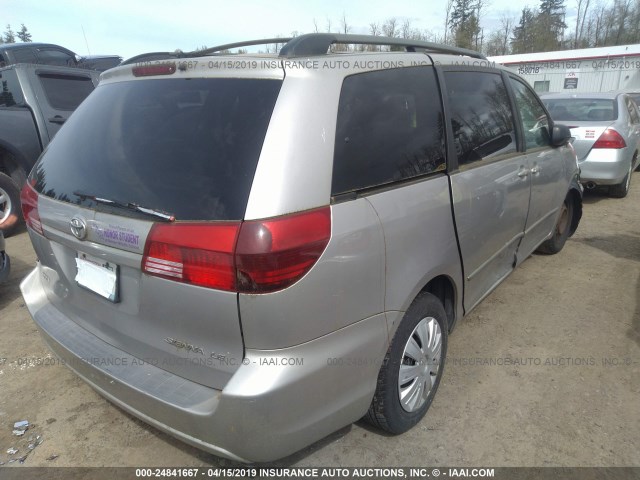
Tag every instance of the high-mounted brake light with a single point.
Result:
(151, 70)
(610, 139)
(257, 256)
(29, 201)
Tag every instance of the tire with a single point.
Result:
(621, 190)
(424, 322)
(10, 212)
(561, 231)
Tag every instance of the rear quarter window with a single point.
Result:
(389, 128)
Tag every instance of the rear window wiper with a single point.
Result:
(169, 217)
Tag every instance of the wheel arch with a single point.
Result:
(13, 164)
(575, 195)
(444, 289)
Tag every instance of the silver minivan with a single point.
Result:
(250, 252)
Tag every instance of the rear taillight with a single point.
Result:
(196, 253)
(29, 201)
(257, 256)
(610, 139)
(274, 254)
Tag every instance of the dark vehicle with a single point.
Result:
(35, 100)
(50, 54)
(40, 53)
(99, 63)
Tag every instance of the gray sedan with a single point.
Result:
(605, 128)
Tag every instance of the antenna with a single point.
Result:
(85, 40)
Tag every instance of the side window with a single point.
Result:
(10, 92)
(535, 121)
(65, 92)
(481, 116)
(633, 111)
(50, 56)
(389, 127)
(541, 86)
(24, 55)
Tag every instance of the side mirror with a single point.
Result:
(560, 135)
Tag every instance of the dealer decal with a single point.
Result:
(116, 235)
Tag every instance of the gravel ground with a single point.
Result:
(545, 372)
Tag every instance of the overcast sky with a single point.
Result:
(130, 27)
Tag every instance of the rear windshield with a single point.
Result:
(582, 109)
(188, 147)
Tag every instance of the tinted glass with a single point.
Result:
(189, 147)
(535, 122)
(10, 94)
(481, 116)
(582, 109)
(65, 92)
(633, 111)
(56, 57)
(100, 64)
(24, 55)
(389, 128)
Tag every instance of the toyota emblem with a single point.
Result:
(78, 227)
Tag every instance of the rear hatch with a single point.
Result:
(587, 118)
(169, 159)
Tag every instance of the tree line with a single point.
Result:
(598, 23)
(9, 36)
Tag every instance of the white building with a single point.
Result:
(584, 70)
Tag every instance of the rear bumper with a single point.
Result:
(276, 403)
(604, 167)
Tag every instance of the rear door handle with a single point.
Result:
(523, 173)
(58, 119)
(535, 170)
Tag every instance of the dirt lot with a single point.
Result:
(546, 372)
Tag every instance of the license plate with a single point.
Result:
(98, 276)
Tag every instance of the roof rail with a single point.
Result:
(248, 43)
(313, 44)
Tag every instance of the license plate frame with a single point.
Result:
(98, 276)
